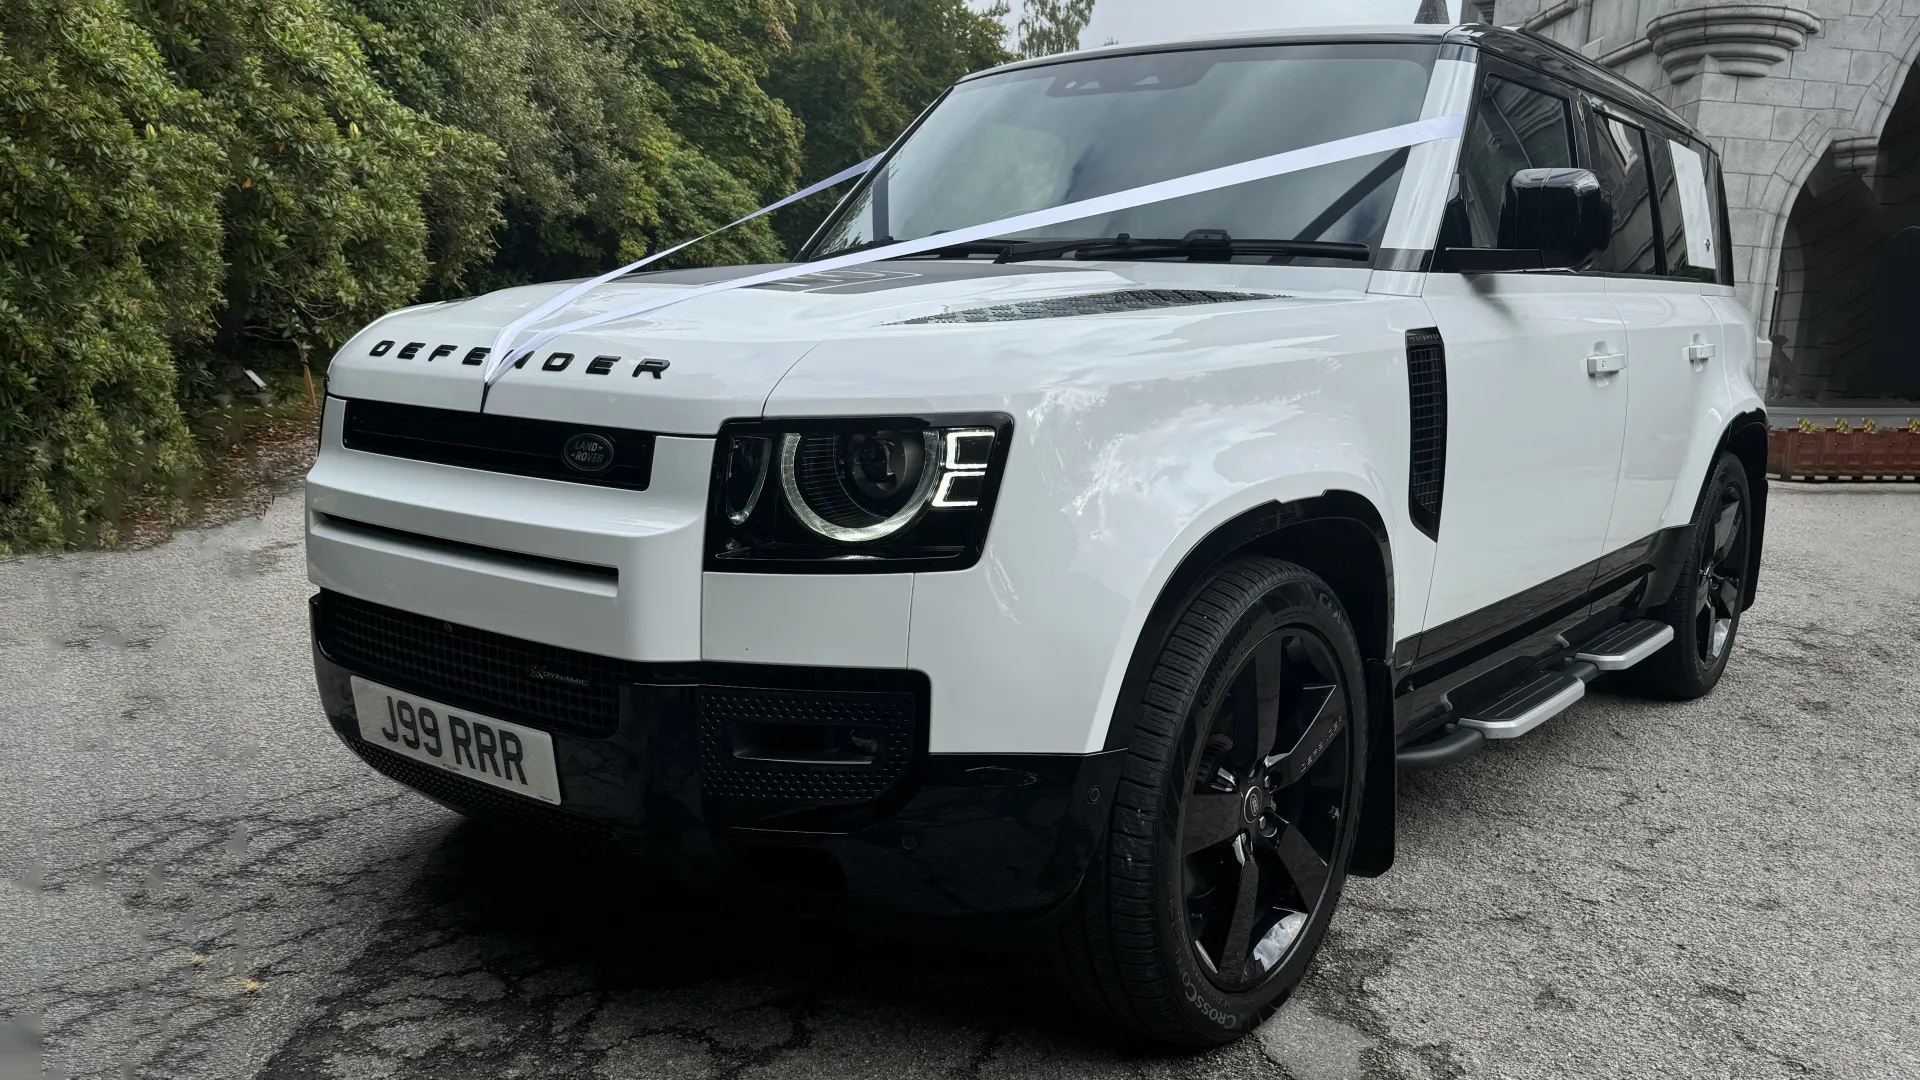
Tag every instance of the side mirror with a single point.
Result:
(1551, 219)
(1561, 213)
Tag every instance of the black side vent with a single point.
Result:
(1427, 381)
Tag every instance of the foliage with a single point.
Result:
(194, 186)
(1048, 27)
(110, 259)
(860, 71)
(598, 127)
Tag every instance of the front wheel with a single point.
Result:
(1235, 817)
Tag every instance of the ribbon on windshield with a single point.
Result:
(1291, 161)
(557, 303)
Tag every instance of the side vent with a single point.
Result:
(1427, 382)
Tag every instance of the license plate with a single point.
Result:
(518, 759)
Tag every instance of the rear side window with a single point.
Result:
(1514, 127)
(1620, 161)
(1689, 216)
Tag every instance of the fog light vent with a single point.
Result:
(804, 747)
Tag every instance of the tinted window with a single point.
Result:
(1620, 160)
(1514, 127)
(1687, 214)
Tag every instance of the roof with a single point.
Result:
(1411, 33)
(1519, 46)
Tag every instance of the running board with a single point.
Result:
(1626, 645)
(1533, 704)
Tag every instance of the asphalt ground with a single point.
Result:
(198, 881)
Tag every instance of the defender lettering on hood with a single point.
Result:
(558, 361)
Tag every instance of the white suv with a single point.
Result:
(1085, 587)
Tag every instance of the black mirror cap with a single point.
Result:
(1562, 213)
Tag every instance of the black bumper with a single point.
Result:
(974, 847)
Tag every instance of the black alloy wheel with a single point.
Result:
(1235, 817)
(1721, 591)
(1711, 593)
(1262, 821)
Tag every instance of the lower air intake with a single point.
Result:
(805, 747)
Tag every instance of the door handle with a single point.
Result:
(1601, 365)
(1699, 354)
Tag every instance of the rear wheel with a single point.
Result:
(1708, 601)
(1234, 820)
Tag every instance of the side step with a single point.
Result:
(1542, 698)
(1531, 705)
(1626, 645)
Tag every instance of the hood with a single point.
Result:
(720, 357)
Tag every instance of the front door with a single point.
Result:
(1535, 421)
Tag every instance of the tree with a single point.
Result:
(1048, 27)
(110, 242)
(860, 71)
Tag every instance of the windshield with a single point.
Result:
(1040, 137)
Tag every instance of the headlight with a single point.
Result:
(849, 496)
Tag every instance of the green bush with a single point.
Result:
(110, 261)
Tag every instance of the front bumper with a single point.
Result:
(944, 845)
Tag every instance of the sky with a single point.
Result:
(1127, 21)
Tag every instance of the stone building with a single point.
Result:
(1818, 126)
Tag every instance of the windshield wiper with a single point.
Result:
(1200, 245)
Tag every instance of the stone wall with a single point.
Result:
(1779, 88)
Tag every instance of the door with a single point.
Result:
(1534, 440)
(1664, 250)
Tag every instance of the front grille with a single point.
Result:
(577, 453)
(725, 711)
(1106, 303)
(1427, 380)
(483, 803)
(542, 685)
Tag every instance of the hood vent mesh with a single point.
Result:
(1107, 303)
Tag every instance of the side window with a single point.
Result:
(1620, 160)
(1514, 127)
(1687, 216)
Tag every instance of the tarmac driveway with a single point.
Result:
(196, 880)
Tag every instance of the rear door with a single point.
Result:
(1665, 249)
(1534, 441)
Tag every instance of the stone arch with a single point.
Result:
(1812, 145)
(1847, 259)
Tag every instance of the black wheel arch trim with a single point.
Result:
(1263, 530)
(1746, 438)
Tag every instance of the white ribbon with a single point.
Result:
(504, 339)
(1311, 157)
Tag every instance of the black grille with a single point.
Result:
(505, 444)
(1427, 380)
(481, 802)
(541, 685)
(889, 718)
(1106, 303)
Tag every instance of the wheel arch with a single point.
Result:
(1342, 537)
(1746, 438)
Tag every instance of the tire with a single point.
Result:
(1170, 935)
(1706, 605)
